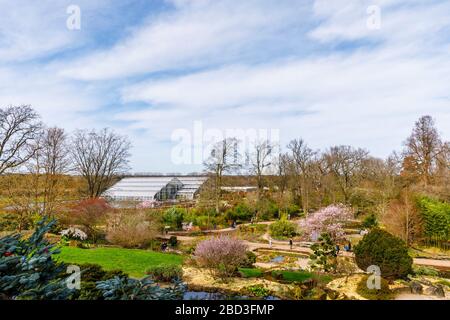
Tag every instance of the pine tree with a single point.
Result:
(27, 270)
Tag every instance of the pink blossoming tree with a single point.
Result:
(222, 255)
(326, 220)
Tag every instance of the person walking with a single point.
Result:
(290, 243)
(270, 242)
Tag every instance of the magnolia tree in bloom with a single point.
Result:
(74, 233)
(222, 255)
(326, 220)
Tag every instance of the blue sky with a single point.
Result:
(310, 69)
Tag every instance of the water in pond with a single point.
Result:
(202, 295)
(278, 259)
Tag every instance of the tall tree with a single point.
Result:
(19, 127)
(346, 164)
(99, 156)
(302, 158)
(261, 159)
(54, 163)
(423, 147)
(224, 158)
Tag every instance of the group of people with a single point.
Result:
(347, 248)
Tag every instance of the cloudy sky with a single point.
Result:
(327, 70)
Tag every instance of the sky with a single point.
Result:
(171, 73)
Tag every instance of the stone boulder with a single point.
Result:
(416, 287)
(436, 290)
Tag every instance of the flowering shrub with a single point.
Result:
(222, 255)
(326, 220)
(146, 204)
(74, 233)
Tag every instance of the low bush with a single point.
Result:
(425, 271)
(258, 290)
(165, 272)
(267, 209)
(90, 275)
(283, 229)
(386, 251)
(173, 241)
(241, 212)
(174, 217)
(370, 221)
(131, 229)
(124, 288)
(222, 255)
(384, 293)
(250, 260)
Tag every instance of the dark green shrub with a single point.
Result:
(425, 271)
(90, 275)
(384, 293)
(324, 254)
(370, 221)
(258, 290)
(267, 209)
(386, 251)
(174, 217)
(283, 229)
(165, 272)
(293, 210)
(241, 212)
(250, 260)
(124, 288)
(173, 241)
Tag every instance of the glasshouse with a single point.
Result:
(155, 188)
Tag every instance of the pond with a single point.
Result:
(203, 295)
(277, 259)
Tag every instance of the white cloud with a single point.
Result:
(196, 33)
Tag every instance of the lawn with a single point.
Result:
(251, 272)
(131, 261)
(300, 276)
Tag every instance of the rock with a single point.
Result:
(310, 283)
(416, 287)
(436, 290)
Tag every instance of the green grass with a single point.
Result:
(444, 282)
(300, 276)
(250, 272)
(132, 261)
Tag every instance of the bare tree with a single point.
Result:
(346, 164)
(224, 158)
(19, 127)
(423, 148)
(99, 156)
(261, 159)
(55, 163)
(302, 159)
(403, 219)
